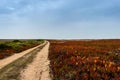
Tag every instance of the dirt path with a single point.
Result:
(39, 68)
(14, 57)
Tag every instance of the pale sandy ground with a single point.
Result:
(14, 57)
(39, 68)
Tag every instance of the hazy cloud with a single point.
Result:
(59, 18)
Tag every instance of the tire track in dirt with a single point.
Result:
(14, 57)
(39, 68)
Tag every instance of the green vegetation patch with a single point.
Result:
(10, 47)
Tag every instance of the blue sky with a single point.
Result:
(59, 19)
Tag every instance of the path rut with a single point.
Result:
(14, 57)
(39, 68)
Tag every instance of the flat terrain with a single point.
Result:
(65, 60)
(8, 60)
(85, 60)
(17, 66)
(39, 68)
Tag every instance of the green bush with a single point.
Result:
(18, 46)
(4, 46)
(16, 41)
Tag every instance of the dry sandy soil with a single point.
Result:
(39, 68)
(14, 57)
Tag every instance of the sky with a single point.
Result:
(59, 19)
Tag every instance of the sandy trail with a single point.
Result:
(39, 68)
(14, 57)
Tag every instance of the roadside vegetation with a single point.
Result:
(85, 60)
(12, 71)
(8, 48)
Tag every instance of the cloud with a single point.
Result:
(59, 18)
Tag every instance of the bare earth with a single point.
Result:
(14, 57)
(39, 68)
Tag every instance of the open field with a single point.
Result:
(85, 60)
(61, 60)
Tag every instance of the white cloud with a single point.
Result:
(11, 8)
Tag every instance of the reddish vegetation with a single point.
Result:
(83, 60)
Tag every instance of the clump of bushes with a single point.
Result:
(16, 46)
(4, 46)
